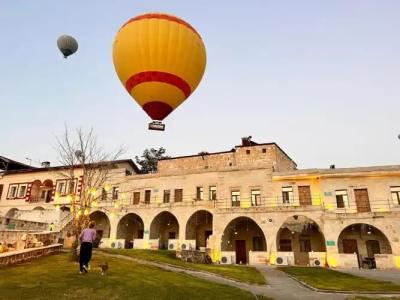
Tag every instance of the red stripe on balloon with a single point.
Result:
(163, 17)
(157, 110)
(151, 76)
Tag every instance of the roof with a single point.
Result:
(7, 164)
(248, 143)
(337, 171)
(55, 168)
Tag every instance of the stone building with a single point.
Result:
(249, 205)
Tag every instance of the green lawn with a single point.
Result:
(368, 298)
(328, 279)
(56, 277)
(239, 273)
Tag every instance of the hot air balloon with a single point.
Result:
(67, 45)
(160, 59)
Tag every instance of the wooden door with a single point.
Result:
(147, 196)
(362, 200)
(350, 246)
(136, 197)
(305, 195)
(241, 253)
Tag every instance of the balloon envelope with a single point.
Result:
(160, 59)
(67, 45)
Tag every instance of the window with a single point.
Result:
(115, 192)
(71, 187)
(285, 245)
(61, 187)
(342, 199)
(199, 193)
(395, 192)
(255, 198)
(167, 196)
(305, 245)
(235, 197)
(247, 152)
(213, 193)
(12, 191)
(147, 196)
(103, 194)
(258, 243)
(136, 197)
(22, 191)
(66, 186)
(287, 194)
(264, 150)
(178, 195)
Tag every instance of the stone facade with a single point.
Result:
(247, 205)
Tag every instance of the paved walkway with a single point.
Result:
(383, 275)
(283, 287)
(280, 286)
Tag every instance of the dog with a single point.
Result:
(104, 268)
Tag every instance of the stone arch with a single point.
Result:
(103, 225)
(130, 227)
(363, 239)
(38, 208)
(303, 237)
(242, 235)
(199, 227)
(11, 213)
(165, 226)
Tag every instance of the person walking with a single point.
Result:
(87, 237)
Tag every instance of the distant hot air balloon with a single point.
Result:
(160, 59)
(67, 45)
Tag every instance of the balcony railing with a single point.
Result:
(374, 206)
(315, 202)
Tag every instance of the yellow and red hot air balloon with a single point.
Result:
(160, 59)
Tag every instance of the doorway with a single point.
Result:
(305, 195)
(362, 200)
(241, 253)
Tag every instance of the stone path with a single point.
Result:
(383, 275)
(280, 286)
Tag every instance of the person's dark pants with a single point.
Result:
(85, 255)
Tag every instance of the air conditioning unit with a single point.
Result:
(173, 245)
(315, 262)
(117, 244)
(188, 245)
(226, 260)
(281, 261)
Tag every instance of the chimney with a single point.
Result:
(332, 167)
(246, 141)
(45, 164)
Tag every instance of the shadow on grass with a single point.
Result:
(56, 277)
(244, 274)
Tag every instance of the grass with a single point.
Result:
(328, 279)
(56, 277)
(369, 298)
(239, 273)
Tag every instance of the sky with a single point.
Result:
(319, 78)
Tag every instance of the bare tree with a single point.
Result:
(84, 159)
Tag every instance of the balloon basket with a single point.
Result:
(157, 125)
